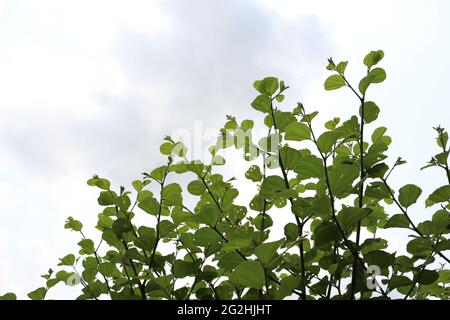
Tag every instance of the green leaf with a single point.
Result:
(137, 185)
(262, 103)
(409, 194)
(249, 274)
(441, 194)
(37, 294)
(196, 187)
(237, 244)
(166, 148)
(397, 221)
(247, 124)
(420, 247)
(442, 139)
(403, 264)
(90, 262)
(283, 119)
(101, 183)
(377, 190)
(146, 239)
(331, 65)
(228, 198)
(443, 245)
(444, 276)
(372, 244)
(332, 124)
(310, 167)
(371, 111)
(398, 282)
(442, 157)
(8, 296)
(341, 179)
(254, 173)
(109, 269)
(290, 157)
(350, 216)
(427, 277)
(262, 222)
(104, 221)
(378, 170)
(379, 137)
(87, 246)
(341, 66)
(63, 275)
(159, 173)
(165, 227)
(208, 214)
(182, 269)
(291, 231)
(376, 75)
(309, 117)
(272, 185)
(142, 195)
(373, 57)
(68, 260)
(326, 141)
(121, 226)
(267, 86)
(380, 258)
(73, 224)
(441, 219)
(206, 235)
(267, 251)
(172, 195)
(333, 82)
(230, 260)
(149, 205)
(325, 233)
(287, 286)
(106, 198)
(297, 131)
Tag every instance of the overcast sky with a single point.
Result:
(93, 86)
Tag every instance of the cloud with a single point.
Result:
(199, 67)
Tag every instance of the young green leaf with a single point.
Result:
(37, 294)
(68, 260)
(334, 82)
(409, 194)
(397, 221)
(439, 195)
(371, 111)
(420, 247)
(254, 173)
(262, 103)
(267, 86)
(373, 57)
(297, 131)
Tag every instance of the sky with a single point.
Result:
(92, 87)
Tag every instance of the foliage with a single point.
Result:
(336, 195)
